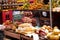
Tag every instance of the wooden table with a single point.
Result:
(23, 37)
(11, 34)
(17, 36)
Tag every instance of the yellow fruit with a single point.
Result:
(20, 0)
(54, 37)
(56, 31)
(13, 27)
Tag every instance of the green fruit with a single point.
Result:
(26, 5)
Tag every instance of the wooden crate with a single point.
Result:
(11, 34)
(23, 37)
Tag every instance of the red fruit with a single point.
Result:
(42, 33)
(31, 1)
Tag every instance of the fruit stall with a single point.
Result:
(30, 19)
(25, 31)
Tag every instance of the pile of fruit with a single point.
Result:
(44, 30)
(54, 35)
(19, 28)
(33, 6)
(49, 33)
(55, 5)
(27, 28)
(9, 25)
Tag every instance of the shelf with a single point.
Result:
(14, 35)
(44, 18)
(32, 10)
(11, 34)
(12, 4)
(25, 37)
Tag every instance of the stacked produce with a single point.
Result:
(25, 28)
(56, 5)
(24, 4)
(44, 32)
(54, 35)
(21, 28)
(28, 6)
(36, 4)
(9, 25)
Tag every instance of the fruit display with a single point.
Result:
(13, 27)
(56, 31)
(54, 35)
(26, 19)
(46, 7)
(20, 1)
(35, 6)
(44, 30)
(25, 28)
(19, 27)
(56, 9)
(56, 5)
(7, 24)
(24, 4)
(58, 2)
(49, 33)
(31, 1)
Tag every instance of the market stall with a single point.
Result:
(26, 31)
(30, 19)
